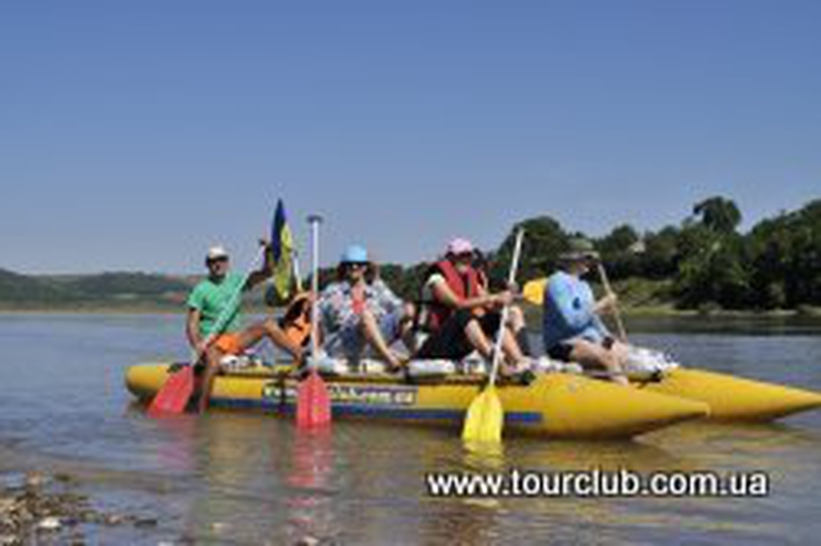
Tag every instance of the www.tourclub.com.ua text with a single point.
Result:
(598, 483)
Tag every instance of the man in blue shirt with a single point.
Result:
(573, 330)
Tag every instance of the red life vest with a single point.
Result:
(464, 286)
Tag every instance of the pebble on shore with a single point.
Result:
(38, 504)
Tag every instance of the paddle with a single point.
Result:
(616, 313)
(533, 291)
(313, 403)
(174, 395)
(485, 416)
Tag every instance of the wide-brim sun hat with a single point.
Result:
(579, 249)
(355, 254)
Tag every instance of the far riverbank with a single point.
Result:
(667, 311)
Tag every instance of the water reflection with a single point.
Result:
(309, 505)
(483, 456)
(177, 443)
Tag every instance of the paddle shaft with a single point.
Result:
(315, 221)
(497, 349)
(616, 313)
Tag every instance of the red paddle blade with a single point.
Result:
(174, 394)
(313, 403)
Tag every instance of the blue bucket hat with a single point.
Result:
(355, 254)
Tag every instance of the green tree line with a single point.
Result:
(707, 261)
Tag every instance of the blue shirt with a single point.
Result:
(568, 311)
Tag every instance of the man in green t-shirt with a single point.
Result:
(212, 339)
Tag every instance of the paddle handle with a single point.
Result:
(297, 272)
(616, 313)
(315, 220)
(514, 267)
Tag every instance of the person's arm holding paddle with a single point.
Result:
(606, 304)
(444, 294)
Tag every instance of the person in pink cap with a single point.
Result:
(461, 315)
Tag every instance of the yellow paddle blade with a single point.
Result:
(484, 419)
(533, 291)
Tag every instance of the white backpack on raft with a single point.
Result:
(641, 360)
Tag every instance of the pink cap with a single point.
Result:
(460, 246)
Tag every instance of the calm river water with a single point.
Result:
(251, 479)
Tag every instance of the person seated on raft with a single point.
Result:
(206, 304)
(462, 316)
(359, 310)
(573, 330)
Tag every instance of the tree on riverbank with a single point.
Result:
(777, 264)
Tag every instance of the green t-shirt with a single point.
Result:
(210, 298)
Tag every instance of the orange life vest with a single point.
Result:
(464, 286)
(297, 320)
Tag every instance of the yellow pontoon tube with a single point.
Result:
(733, 398)
(555, 405)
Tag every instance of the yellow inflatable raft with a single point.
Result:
(555, 405)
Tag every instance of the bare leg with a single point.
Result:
(511, 347)
(620, 350)
(481, 343)
(516, 323)
(212, 360)
(478, 339)
(373, 335)
(270, 329)
(592, 355)
(406, 332)
(516, 318)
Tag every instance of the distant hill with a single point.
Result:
(108, 289)
(122, 285)
(18, 289)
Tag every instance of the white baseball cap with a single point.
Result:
(216, 252)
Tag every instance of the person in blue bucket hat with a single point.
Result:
(358, 312)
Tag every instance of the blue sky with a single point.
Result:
(133, 134)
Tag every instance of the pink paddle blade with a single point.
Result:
(313, 403)
(174, 394)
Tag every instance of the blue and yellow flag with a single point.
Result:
(282, 249)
